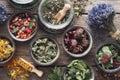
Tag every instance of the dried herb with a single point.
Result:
(79, 6)
(56, 74)
(77, 70)
(6, 49)
(76, 40)
(44, 50)
(15, 71)
(108, 57)
(51, 8)
(22, 25)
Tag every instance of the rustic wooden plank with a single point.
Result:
(90, 4)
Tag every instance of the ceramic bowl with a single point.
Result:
(48, 25)
(23, 4)
(6, 58)
(40, 50)
(22, 26)
(73, 42)
(106, 59)
(73, 72)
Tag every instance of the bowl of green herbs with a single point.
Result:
(78, 70)
(44, 50)
(108, 57)
(47, 11)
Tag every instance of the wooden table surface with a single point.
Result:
(22, 48)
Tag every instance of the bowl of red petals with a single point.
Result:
(108, 57)
(22, 26)
(77, 41)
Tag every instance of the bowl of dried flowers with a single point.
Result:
(78, 70)
(22, 26)
(77, 41)
(23, 4)
(44, 50)
(7, 49)
(108, 57)
(55, 15)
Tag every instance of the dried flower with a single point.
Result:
(3, 14)
(101, 15)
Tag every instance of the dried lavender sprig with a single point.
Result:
(102, 16)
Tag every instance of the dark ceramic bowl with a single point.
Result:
(54, 28)
(91, 74)
(12, 54)
(85, 51)
(23, 5)
(33, 30)
(50, 38)
(112, 70)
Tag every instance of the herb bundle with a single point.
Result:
(102, 16)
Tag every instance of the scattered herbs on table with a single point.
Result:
(22, 25)
(3, 14)
(108, 56)
(76, 40)
(77, 70)
(51, 8)
(44, 49)
(56, 74)
(102, 17)
(6, 49)
(79, 6)
(16, 71)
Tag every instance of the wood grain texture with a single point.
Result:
(22, 48)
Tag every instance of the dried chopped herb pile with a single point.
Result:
(44, 50)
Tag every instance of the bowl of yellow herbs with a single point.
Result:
(7, 49)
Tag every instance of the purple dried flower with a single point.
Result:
(3, 14)
(101, 15)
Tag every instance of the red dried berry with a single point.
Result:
(11, 26)
(28, 30)
(105, 58)
(116, 63)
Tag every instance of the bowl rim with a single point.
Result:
(13, 44)
(19, 39)
(87, 50)
(58, 26)
(89, 66)
(13, 4)
(96, 60)
(52, 39)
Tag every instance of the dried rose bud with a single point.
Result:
(75, 49)
(116, 63)
(79, 31)
(74, 42)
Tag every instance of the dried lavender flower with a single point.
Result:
(101, 15)
(3, 14)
